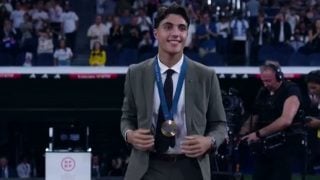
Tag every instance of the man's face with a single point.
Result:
(314, 88)
(98, 20)
(171, 34)
(269, 80)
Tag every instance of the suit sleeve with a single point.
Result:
(129, 113)
(216, 118)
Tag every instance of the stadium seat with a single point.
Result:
(5, 59)
(271, 12)
(266, 52)
(192, 55)
(314, 59)
(20, 59)
(127, 56)
(45, 59)
(298, 59)
(283, 52)
(213, 59)
(112, 56)
(145, 56)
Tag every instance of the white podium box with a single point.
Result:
(68, 166)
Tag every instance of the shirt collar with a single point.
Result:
(176, 67)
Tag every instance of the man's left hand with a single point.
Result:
(250, 138)
(195, 145)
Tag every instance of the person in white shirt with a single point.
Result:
(69, 25)
(55, 13)
(17, 16)
(97, 32)
(39, 16)
(62, 55)
(144, 21)
(239, 27)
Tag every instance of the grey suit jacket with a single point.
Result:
(204, 109)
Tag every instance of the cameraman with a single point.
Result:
(313, 121)
(275, 109)
(313, 84)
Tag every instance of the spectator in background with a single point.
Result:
(125, 17)
(302, 30)
(239, 27)
(55, 16)
(8, 43)
(131, 34)
(24, 168)
(138, 4)
(261, 35)
(17, 15)
(63, 54)
(108, 25)
(292, 18)
(191, 38)
(7, 5)
(69, 26)
(146, 43)
(39, 16)
(4, 14)
(97, 55)
(144, 21)
(281, 29)
(117, 168)
(115, 36)
(224, 32)
(97, 168)
(45, 48)
(27, 34)
(252, 7)
(299, 37)
(97, 32)
(206, 35)
(5, 170)
(313, 45)
(109, 8)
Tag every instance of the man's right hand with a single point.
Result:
(141, 139)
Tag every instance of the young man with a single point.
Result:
(172, 112)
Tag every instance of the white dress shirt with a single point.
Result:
(180, 116)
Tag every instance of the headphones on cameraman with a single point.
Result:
(278, 73)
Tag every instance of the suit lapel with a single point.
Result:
(189, 91)
(148, 88)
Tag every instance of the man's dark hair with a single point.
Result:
(313, 77)
(163, 12)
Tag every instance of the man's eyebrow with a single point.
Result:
(170, 23)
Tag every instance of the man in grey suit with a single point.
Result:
(172, 112)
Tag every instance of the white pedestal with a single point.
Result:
(68, 166)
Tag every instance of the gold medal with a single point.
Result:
(169, 128)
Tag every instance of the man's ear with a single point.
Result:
(155, 33)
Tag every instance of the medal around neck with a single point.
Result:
(169, 128)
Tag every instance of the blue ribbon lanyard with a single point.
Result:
(168, 115)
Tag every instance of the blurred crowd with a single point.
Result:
(233, 32)
(37, 32)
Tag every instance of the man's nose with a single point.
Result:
(175, 31)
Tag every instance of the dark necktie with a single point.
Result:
(162, 142)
